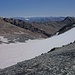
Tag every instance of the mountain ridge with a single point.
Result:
(38, 27)
(36, 30)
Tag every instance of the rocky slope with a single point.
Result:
(27, 26)
(58, 61)
(14, 28)
(56, 26)
(70, 23)
(45, 29)
(14, 33)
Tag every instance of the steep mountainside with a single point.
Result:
(19, 30)
(27, 26)
(56, 26)
(58, 61)
(69, 20)
(70, 23)
(7, 28)
(14, 33)
(46, 29)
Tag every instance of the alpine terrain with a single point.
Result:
(37, 48)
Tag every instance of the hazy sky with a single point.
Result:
(25, 8)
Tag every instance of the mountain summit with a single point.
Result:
(69, 20)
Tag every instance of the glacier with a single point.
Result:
(11, 54)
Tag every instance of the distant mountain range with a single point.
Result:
(40, 19)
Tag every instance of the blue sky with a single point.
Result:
(32, 8)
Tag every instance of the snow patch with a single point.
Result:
(3, 39)
(10, 54)
(26, 19)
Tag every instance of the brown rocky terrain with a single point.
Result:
(12, 32)
(14, 28)
(46, 28)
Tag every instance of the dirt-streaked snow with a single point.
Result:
(10, 54)
(3, 39)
